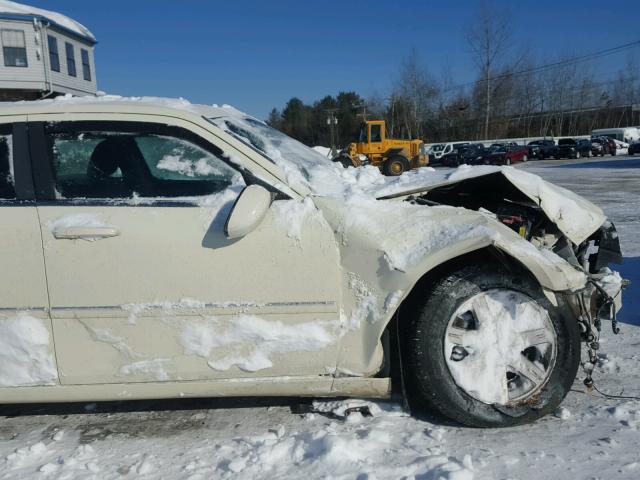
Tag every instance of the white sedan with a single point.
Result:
(152, 248)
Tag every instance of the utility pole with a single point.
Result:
(332, 121)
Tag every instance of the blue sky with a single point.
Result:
(257, 54)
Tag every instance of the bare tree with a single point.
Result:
(414, 96)
(488, 36)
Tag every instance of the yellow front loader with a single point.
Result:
(392, 156)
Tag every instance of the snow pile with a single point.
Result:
(62, 20)
(26, 355)
(249, 342)
(324, 151)
(387, 445)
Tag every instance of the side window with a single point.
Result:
(86, 66)
(376, 135)
(54, 57)
(7, 183)
(14, 48)
(71, 59)
(143, 161)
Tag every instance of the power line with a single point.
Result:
(548, 66)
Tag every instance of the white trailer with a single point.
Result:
(625, 134)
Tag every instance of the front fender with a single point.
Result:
(387, 247)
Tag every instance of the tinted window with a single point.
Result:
(112, 163)
(7, 183)
(54, 57)
(14, 49)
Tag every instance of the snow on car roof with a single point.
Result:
(8, 7)
(71, 103)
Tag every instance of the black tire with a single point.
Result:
(577, 155)
(429, 381)
(345, 160)
(396, 165)
(507, 161)
(525, 158)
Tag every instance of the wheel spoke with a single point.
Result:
(536, 336)
(481, 308)
(459, 336)
(525, 367)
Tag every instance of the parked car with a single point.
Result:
(621, 147)
(439, 150)
(465, 154)
(634, 148)
(597, 149)
(157, 249)
(443, 150)
(606, 144)
(542, 149)
(571, 148)
(613, 146)
(589, 148)
(506, 154)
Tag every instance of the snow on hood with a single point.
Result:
(7, 6)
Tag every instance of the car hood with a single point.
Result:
(575, 217)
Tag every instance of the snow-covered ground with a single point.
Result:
(590, 437)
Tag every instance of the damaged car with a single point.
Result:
(161, 249)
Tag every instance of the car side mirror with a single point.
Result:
(247, 212)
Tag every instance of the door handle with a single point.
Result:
(86, 233)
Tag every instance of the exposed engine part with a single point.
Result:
(596, 305)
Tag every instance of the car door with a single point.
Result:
(27, 354)
(143, 284)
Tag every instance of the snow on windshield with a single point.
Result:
(301, 164)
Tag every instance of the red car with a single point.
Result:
(506, 154)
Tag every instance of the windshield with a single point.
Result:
(437, 148)
(497, 147)
(300, 163)
(566, 141)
